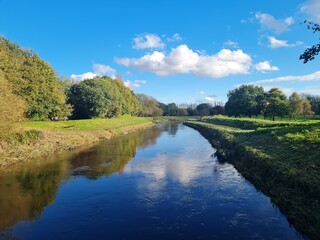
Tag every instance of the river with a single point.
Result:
(159, 183)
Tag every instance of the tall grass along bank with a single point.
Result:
(282, 159)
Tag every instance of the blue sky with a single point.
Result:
(177, 51)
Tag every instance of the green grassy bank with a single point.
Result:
(282, 159)
(38, 139)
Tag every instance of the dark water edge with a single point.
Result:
(158, 183)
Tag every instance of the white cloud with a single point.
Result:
(230, 43)
(265, 66)
(101, 69)
(209, 99)
(312, 8)
(131, 85)
(268, 22)
(175, 37)
(276, 43)
(183, 60)
(81, 77)
(302, 78)
(98, 70)
(134, 84)
(148, 40)
(289, 21)
(201, 92)
(140, 81)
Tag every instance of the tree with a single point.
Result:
(314, 101)
(12, 108)
(219, 110)
(102, 97)
(295, 104)
(34, 81)
(204, 109)
(277, 103)
(192, 112)
(246, 100)
(306, 108)
(182, 112)
(171, 110)
(149, 106)
(310, 53)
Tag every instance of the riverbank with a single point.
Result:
(282, 159)
(40, 139)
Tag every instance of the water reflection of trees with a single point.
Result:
(112, 156)
(25, 192)
(172, 128)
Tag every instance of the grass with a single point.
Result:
(280, 158)
(38, 139)
(89, 124)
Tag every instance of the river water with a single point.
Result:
(159, 183)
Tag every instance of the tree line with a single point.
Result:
(250, 100)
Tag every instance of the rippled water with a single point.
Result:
(159, 183)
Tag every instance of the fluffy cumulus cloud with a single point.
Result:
(268, 22)
(101, 69)
(312, 9)
(98, 70)
(81, 77)
(148, 40)
(265, 67)
(277, 43)
(183, 60)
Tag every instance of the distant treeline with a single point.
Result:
(249, 100)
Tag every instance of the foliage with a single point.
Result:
(310, 53)
(277, 103)
(247, 100)
(102, 97)
(34, 81)
(12, 108)
(171, 110)
(314, 101)
(149, 106)
(204, 109)
(192, 112)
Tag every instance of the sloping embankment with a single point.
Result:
(288, 172)
(40, 139)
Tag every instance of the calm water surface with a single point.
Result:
(159, 183)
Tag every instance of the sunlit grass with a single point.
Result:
(88, 124)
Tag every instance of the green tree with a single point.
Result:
(150, 106)
(34, 81)
(277, 103)
(102, 97)
(204, 109)
(171, 110)
(306, 107)
(246, 100)
(314, 101)
(182, 112)
(295, 101)
(310, 53)
(192, 112)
